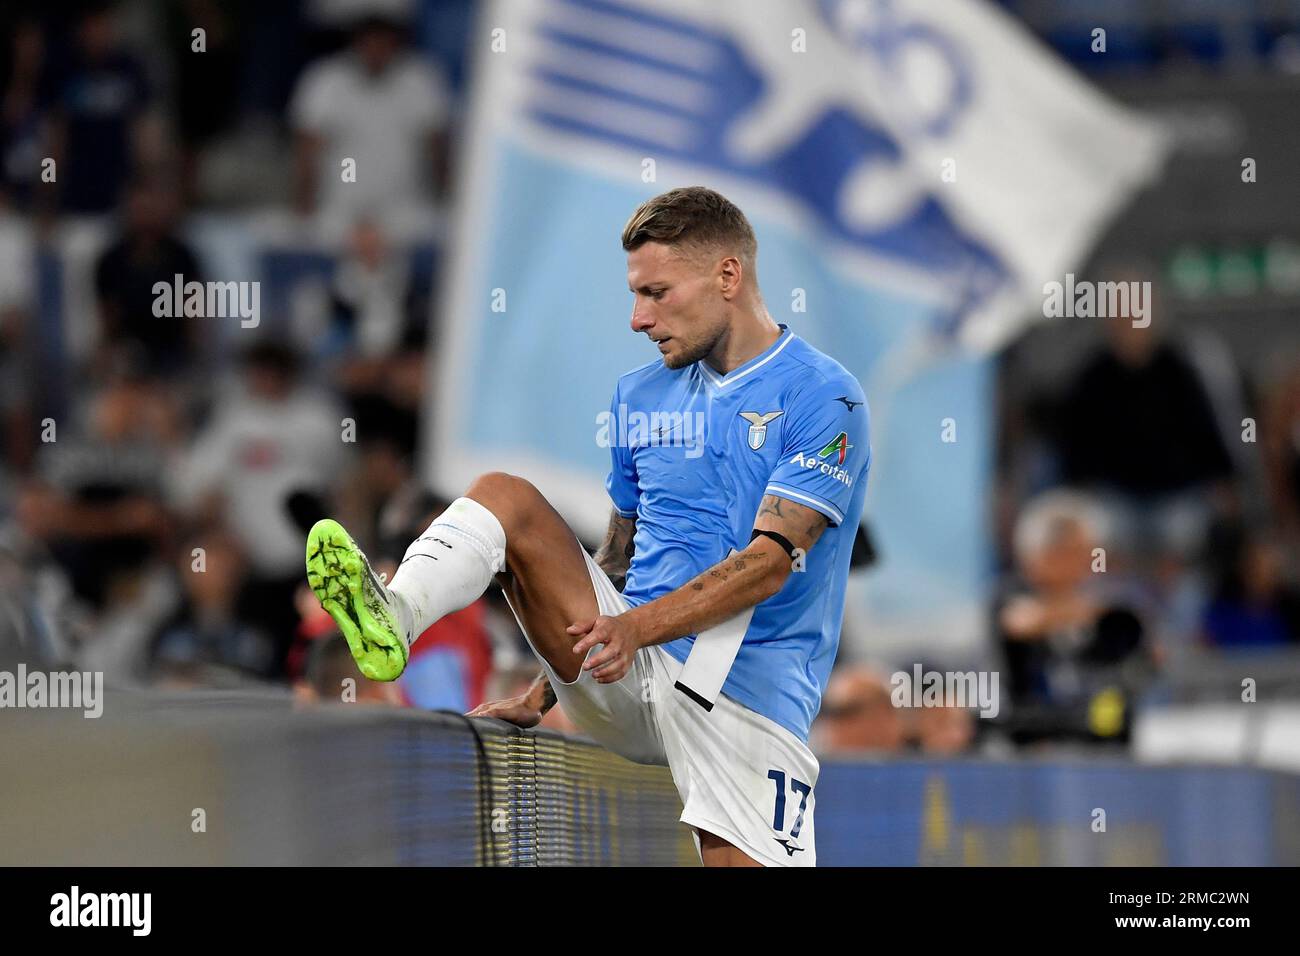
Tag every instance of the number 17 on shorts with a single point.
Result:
(790, 800)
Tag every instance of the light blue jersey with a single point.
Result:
(694, 452)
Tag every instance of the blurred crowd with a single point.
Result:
(1147, 500)
(159, 477)
(1159, 487)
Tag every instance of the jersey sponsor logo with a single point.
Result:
(840, 444)
(758, 426)
(848, 403)
(825, 467)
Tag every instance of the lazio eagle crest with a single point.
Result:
(758, 427)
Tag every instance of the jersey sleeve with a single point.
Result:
(621, 482)
(825, 448)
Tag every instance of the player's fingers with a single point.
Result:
(610, 658)
(586, 644)
(600, 658)
(598, 633)
(581, 627)
(611, 672)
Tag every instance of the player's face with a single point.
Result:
(678, 302)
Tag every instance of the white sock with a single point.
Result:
(451, 564)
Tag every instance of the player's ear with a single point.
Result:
(730, 274)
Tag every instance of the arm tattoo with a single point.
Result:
(548, 692)
(615, 554)
(722, 573)
(800, 524)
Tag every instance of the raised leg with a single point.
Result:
(546, 577)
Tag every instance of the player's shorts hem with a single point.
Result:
(554, 678)
(730, 835)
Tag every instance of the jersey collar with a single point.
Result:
(742, 372)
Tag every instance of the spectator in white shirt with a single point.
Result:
(383, 108)
(273, 439)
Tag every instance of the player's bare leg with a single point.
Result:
(546, 578)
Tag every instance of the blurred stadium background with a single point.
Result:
(459, 306)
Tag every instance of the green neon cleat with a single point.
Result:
(365, 610)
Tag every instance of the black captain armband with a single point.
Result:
(779, 538)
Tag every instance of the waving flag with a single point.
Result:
(915, 171)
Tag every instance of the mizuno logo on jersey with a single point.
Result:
(825, 467)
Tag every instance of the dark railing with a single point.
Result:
(207, 778)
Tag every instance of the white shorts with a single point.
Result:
(740, 775)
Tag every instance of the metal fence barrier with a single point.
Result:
(245, 779)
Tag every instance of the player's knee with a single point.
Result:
(511, 498)
(502, 484)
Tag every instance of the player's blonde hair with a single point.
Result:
(695, 219)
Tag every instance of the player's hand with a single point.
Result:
(520, 711)
(621, 641)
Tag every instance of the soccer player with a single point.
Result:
(732, 549)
